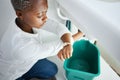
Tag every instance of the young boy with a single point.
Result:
(29, 40)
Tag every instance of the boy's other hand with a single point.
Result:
(66, 52)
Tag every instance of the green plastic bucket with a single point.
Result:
(84, 63)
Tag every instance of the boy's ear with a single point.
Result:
(19, 14)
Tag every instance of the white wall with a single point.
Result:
(6, 15)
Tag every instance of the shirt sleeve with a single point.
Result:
(55, 27)
(32, 49)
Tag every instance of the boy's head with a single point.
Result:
(31, 12)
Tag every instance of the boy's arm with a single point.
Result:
(55, 27)
(66, 52)
(63, 33)
(67, 38)
(78, 35)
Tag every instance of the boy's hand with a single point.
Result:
(66, 52)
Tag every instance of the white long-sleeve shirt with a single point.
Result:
(20, 50)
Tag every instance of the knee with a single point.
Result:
(45, 69)
(51, 70)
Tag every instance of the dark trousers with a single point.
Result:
(43, 69)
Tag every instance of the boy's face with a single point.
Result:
(36, 16)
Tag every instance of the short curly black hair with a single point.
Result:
(21, 4)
